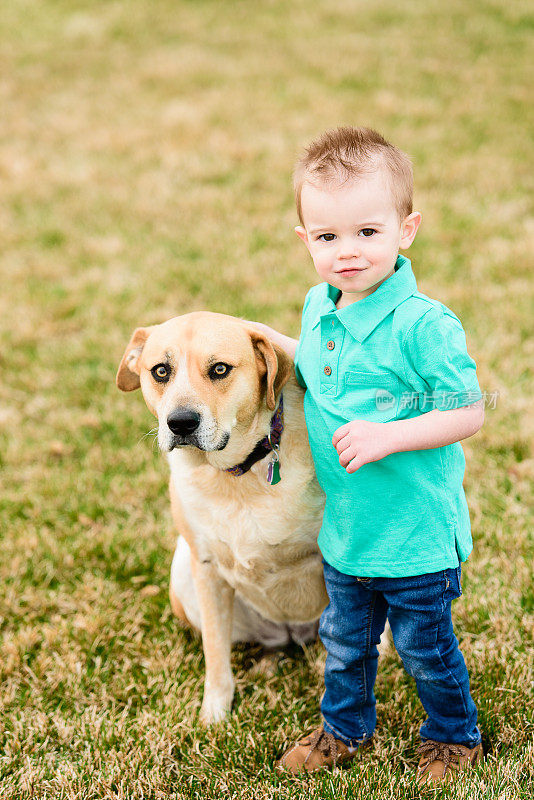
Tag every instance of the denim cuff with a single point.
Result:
(473, 740)
(354, 742)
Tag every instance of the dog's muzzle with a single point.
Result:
(184, 425)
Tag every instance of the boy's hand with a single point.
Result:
(360, 442)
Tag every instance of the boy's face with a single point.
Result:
(354, 233)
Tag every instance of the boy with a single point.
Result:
(390, 393)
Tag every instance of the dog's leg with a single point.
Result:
(181, 588)
(385, 641)
(211, 611)
(182, 592)
(215, 599)
(177, 608)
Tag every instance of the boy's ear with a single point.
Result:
(409, 229)
(301, 233)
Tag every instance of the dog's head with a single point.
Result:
(204, 376)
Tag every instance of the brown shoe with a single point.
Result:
(318, 749)
(441, 762)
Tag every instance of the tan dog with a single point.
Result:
(247, 566)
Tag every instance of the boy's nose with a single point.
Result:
(348, 248)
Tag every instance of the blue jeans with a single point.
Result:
(419, 613)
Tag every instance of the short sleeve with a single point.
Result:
(435, 350)
(298, 373)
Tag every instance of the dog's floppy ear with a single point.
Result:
(272, 362)
(128, 373)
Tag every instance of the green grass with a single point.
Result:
(145, 158)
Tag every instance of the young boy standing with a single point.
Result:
(391, 390)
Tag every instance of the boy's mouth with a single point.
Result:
(352, 271)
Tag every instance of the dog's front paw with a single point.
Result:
(216, 704)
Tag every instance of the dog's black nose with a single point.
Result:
(183, 422)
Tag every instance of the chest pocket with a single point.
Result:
(370, 396)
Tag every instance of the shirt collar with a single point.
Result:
(362, 317)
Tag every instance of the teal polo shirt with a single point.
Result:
(395, 354)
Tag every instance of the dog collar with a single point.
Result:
(269, 444)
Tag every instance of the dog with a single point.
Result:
(244, 495)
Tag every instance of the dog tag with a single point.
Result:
(273, 473)
(273, 470)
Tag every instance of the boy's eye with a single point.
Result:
(327, 237)
(161, 373)
(367, 231)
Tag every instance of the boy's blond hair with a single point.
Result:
(349, 152)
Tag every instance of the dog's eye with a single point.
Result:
(161, 373)
(219, 370)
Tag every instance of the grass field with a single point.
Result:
(145, 159)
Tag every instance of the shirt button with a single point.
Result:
(327, 371)
(330, 345)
